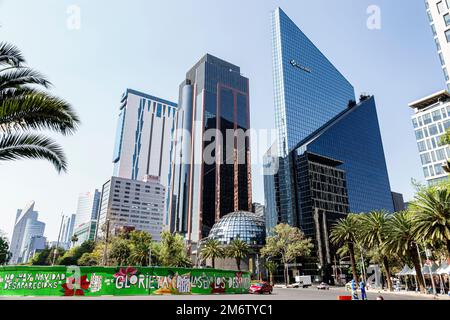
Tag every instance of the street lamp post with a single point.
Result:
(57, 243)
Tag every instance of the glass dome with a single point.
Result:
(246, 226)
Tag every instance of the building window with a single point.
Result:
(426, 172)
(441, 57)
(436, 115)
(422, 146)
(419, 134)
(440, 154)
(425, 158)
(447, 19)
(433, 28)
(440, 7)
(438, 169)
(427, 118)
(159, 110)
(415, 123)
(447, 35)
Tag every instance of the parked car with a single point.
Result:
(260, 288)
(323, 286)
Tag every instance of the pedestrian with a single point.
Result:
(362, 287)
(354, 290)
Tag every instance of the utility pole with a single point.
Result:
(363, 266)
(105, 252)
(59, 238)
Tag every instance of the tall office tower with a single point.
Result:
(133, 205)
(67, 231)
(35, 245)
(430, 121)
(330, 152)
(438, 12)
(145, 138)
(87, 209)
(399, 202)
(26, 227)
(86, 216)
(214, 98)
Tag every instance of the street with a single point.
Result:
(278, 294)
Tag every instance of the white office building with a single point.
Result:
(438, 12)
(132, 204)
(430, 120)
(145, 138)
(67, 231)
(26, 227)
(87, 209)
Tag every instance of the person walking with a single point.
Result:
(362, 287)
(354, 290)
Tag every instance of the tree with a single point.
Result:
(345, 233)
(25, 107)
(271, 267)
(401, 241)
(5, 255)
(74, 239)
(172, 251)
(120, 251)
(373, 236)
(71, 257)
(140, 246)
(238, 250)
(431, 209)
(45, 257)
(212, 249)
(288, 243)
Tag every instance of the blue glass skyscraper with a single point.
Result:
(330, 153)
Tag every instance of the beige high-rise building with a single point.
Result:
(439, 16)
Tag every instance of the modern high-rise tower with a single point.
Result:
(330, 153)
(438, 12)
(214, 101)
(26, 227)
(145, 139)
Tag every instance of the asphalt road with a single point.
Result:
(278, 294)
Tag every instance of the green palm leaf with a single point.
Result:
(10, 54)
(37, 111)
(18, 146)
(18, 76)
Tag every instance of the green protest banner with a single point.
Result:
(120, 281)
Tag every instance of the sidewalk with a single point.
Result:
(412, 294)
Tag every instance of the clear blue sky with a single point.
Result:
(149, 45)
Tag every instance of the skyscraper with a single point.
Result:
(87, 209)
(67, 231)
(26, 227)
(214, 98)
(86, 216)
(330, 152)
(438, 12)
(145, 138)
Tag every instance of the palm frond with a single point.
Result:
(32, 146)
(37, 110)
(10, 54)
(20, 76)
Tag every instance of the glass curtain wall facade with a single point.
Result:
(316, 114)
(303, 80)
(214, 96)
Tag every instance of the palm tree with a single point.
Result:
(74, 239)
(345, 233)
(373, 237)
(432, 215)
(401, 241)
(238, 250)
(25, 107)
(271, 267)
(212, 250)
(140, 246)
